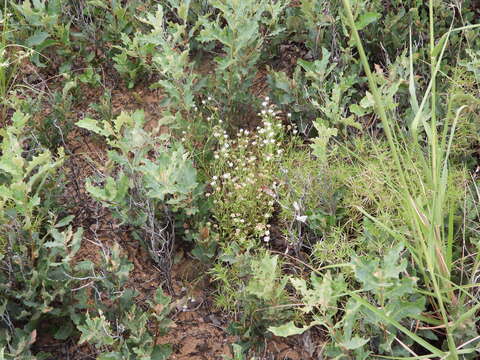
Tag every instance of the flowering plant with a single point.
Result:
(243, 177)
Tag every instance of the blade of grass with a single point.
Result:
(426, 218)
(374, 89)
(400, 327)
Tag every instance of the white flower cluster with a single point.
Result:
(243, 177)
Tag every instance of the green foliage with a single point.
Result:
(120, 330)
(131, 62)
(328, 194)
(147, 181)
(264, 283)
(330, 81)
(164, 50)
(101, 26)
(24, 180)
(9, 62)
(431, 246)
(242, 29)
(243, 180)
(58, 123)
(315, 93)
(35, 252)
(352, 329)
(170, 178)
(254, 284)
(70, 30)
(309, 200)
(90, 77)
(316, 19)
(178, 79)
(374, 168)
(472, 64)
(464, 91)
(42, 26)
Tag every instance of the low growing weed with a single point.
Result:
(254, 289)
(39, 22)
(119, 328)
(355, 320)
(148, 183)
(162, 49)
(243, 179)
(319, 89)
(36, 247)
(242, 29)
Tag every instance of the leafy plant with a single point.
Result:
(262, 299)
(102, 25)
(147, 182)
(132, 61)
(241, 28)
(119, 330)
(35, 253)
(362, 326)
(173, 62)
(55, 127)
(164, 50)
(42, 22)
(315, 93)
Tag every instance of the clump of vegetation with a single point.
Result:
(253, 289)
(36, 246)
(244, 179)
(124, 326)
(147, 182)
(242, 30)
(314, 162)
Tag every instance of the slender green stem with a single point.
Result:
(375, 92)
(426, 223)
(434, 97)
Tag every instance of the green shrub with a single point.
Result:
(244, 179)
(242, 29)
(330, 84)
(355, 320)
(380, 175)
(163, 49)
(113, 319)
(148, 182)
(172, 60)
(54, 128)
(132, 60)
(40, 287)
(100, 27)
(252, 285)
(35, 252)
(315, 93)
(39, 25)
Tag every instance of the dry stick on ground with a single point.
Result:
(159, 235)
